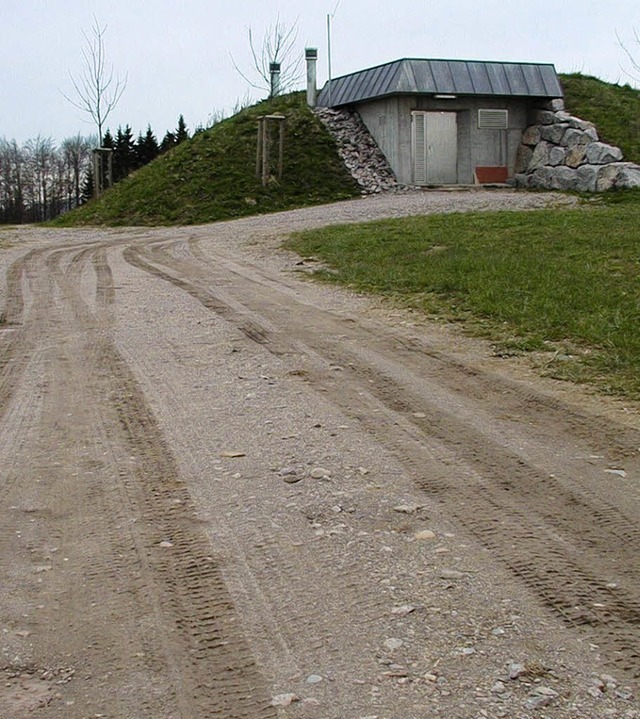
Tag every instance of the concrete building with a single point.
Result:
(446, 121)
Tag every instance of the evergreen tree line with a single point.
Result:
(39, 181)
(130, 154)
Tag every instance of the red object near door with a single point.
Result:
(489, 175)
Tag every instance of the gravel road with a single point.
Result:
(230, 492)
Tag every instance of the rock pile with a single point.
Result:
(563, 152)
(359, 151)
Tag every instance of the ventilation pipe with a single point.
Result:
(311, 56)
(274, 71)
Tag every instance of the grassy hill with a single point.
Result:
(614, 109)
(212, 176)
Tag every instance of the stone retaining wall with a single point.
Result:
(359, 151)
(563, 152)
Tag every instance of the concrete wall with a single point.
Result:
(389, 121)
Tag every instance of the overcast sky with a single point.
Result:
(176, 53)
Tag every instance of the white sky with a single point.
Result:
(176, 53)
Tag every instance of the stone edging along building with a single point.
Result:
(459, 122)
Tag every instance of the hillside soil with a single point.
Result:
(228, 491)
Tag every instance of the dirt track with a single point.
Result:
(223, 485)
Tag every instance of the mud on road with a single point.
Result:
(230, 492)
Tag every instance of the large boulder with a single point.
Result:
(556, 105)
(553, 133)
(541, 178)
(545, 117)
(598, 153)
(532, 135)
(557, 155)
(564, 178)
(588, 177)
(573, 137)
(618, 176)
(575, 122)
(523, 158)
(540, 156)
(576, 156)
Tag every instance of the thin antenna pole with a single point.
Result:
(329, 54)
(329, 16)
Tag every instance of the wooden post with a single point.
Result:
(97, 172)
(265, 153)
(263, 149)
(259, 146)
(109, 168)
(281, 148)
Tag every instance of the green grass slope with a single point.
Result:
(212, 176)
(614, 109)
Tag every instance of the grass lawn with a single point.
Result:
(562, 281)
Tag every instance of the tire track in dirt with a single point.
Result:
(100, 483)
(216, 671)
(106, 293)
(565, 546)
(17, 343)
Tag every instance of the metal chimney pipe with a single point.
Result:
(274, 71)
(311, 56)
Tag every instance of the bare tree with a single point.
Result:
(634, 59)
(41, 152)
(38, 181)
(96, 87)
(12, 181)
(278, 45)
(76, 154)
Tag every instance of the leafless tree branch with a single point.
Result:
(278, 44)
(97, 88)
(633, 59)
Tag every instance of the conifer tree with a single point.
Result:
(182, 133)
(168, 141)
(147, 147)
(124, 155)
(107, 140)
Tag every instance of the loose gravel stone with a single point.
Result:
(403, 611)
(407, 508)
(320, 473)
(516, 670)
(284, 700)
(426, 535)
(392, 644)
(452, 574)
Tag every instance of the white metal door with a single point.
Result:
(435, 148)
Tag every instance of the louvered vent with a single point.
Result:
(419, 148)
(493, 119)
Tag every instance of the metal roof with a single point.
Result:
(444, 77)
